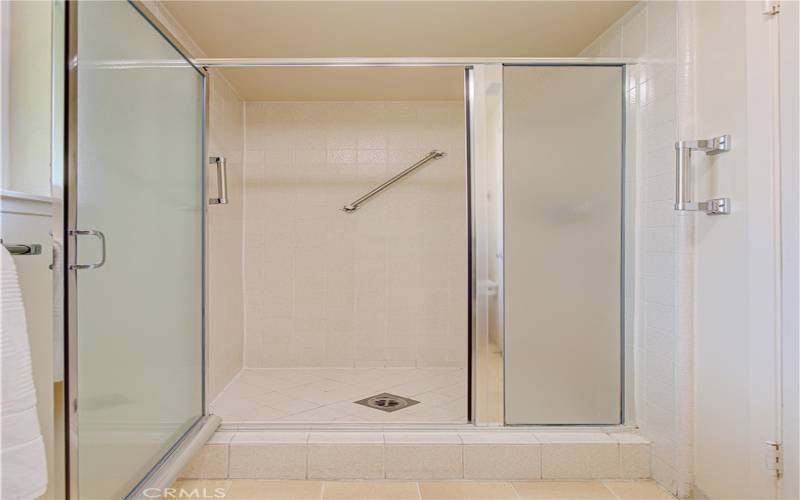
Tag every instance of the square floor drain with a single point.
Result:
(387, 402)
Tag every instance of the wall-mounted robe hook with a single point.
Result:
(683, 175)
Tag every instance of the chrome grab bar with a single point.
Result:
(222, 180)
(20, 249)
(353, 206)
(100, 236)
(683, 175)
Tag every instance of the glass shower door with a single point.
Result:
(563, 244)
(136, 248)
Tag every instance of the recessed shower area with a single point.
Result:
(416, 244)
(354, 247)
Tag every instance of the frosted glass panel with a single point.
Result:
(563, 205)
(139, 182)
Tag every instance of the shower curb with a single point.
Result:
(418, 455)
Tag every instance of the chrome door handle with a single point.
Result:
(222, 180)
(99, 235)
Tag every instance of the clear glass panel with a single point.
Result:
(563, 233)
(486, 107)
(140, 183)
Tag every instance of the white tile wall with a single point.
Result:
(659, 96)
(384, 286)
(225, 313)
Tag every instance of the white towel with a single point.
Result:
(22, 453)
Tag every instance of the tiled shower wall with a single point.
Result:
(383, 286)
(225, 313)
(656, 34)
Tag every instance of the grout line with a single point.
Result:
(308, 439)
(513, 488)
(383, 447)
(322, 490)
(603, 482)
(228, 468)
(461, 449)
(541, 460)
(419, 491)
(228, 485)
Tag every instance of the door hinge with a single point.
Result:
(775, 457)
(772, 7)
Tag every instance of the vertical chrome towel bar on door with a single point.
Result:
(222, 180)
(683, 175)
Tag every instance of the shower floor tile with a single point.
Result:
(327, 395)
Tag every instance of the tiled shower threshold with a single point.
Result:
(460, 452)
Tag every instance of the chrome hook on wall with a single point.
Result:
(683, 175)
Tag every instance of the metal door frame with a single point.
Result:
(475, 366)
(169, 466)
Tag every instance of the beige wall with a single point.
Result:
(384, 286)
(26, 93)
(225, 312)
(25, 86)
(737, 284)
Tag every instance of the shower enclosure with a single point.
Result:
(496, 271)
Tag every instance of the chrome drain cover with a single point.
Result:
(387, 402)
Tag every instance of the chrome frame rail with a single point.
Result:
(353, 206)
(308, 62)
(168, 469)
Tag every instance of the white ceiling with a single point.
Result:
(227, 29)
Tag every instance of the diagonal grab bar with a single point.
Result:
(353, 206)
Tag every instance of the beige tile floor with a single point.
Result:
(326, 395)
(241, 489)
